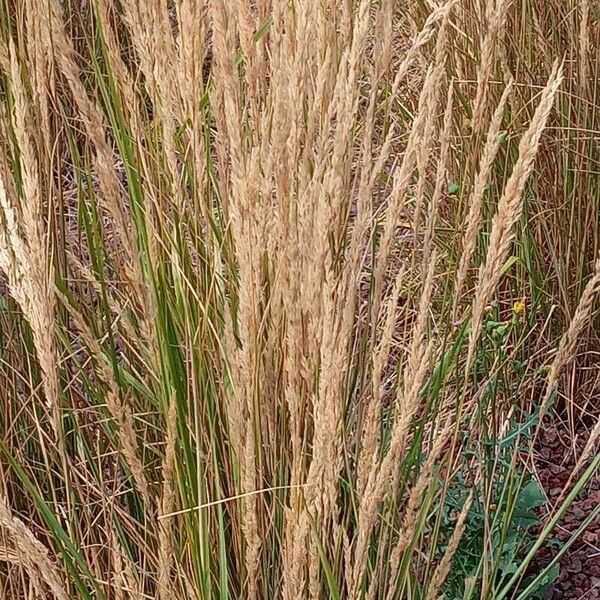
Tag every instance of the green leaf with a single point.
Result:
(531, 497)
(510, 261)
(453, 188)
(263, 29)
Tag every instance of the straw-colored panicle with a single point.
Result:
(413, 505)
(380, 360)
(425, 147)
(441, 177)
(30, 552)
(497, 18)
(443, 567)
(473, 222)
(61, 48)
(167, 504)
(117, 406)
(584, 46)
(244, 351)
(509, 208)
(24, 256)
(407, 401)
(567, 346)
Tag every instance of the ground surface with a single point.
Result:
(580, 567)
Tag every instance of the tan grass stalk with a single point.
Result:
(385, 39)
(440, 181)
(380, 358)
(39, 62)
(28, 269)
(497, 22)
(567, 346)
(421, 39)
(94, 124)
(32, 552)
(413, 505)
(150, 29)
(148, 24)
(443, 568)
(377, 484)
(125, 83)
(425, 147)
(396, 201)
(118, 306)
(329, 332)
(193, 47)
(124, 584)
(509, 208)
(476, 197)
(4, 59)
(165, 533)
(117, 407)
(584, 46)
(407, 402)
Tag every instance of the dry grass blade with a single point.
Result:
(568, 344)
(509, 208)
(473, 224)
(442, 569)
(496, 24)
(32, 553)
(236, 242)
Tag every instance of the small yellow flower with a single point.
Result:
(518, 308)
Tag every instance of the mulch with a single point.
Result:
(579, 574)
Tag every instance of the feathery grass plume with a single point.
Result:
(4, 59)
(126, 85)
(471, 231)
(413, 505)
(567, 346)
(116, 405)
(193, 48)
(441, 177)
(335, 296)
(151, 32)
(443, 567)
(395, 200)
(167, 504)
(27, 268)
(383, 46)
(60, 47)
(242, 179)
(258, 370)
(426, 33)
(369, 438)
(32, 552)
(40, 69)
(124, 584)
(148, 24)
(407, 402)
(509, 208)
(403, 173)
(424, 149)
(379, 478)
(495, 26)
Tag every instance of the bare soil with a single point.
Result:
(580, 567)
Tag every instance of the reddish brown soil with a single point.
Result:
(580, 567)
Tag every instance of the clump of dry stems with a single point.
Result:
(244, 337)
